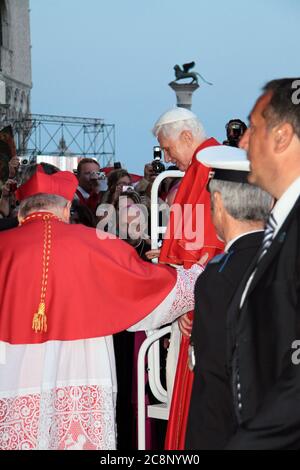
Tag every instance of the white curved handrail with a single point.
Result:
(156, 230)
(152, 342)
(141, 383)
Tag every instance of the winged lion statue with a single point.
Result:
(184, 72)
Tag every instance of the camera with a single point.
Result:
(24, 161)
(99, 175)
(157, 165)
(99, 179)
(235, 129)
(127, 189)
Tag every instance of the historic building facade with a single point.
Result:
(15, 58)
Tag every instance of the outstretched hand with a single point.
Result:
(152, 254)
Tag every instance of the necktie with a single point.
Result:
(267, 240)
(268, 236)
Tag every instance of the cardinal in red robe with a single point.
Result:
(64, 292)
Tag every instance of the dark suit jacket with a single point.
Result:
(266, 383)
(212, 421)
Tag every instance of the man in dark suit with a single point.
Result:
(239, 212)
(264, 316)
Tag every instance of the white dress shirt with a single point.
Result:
(280, 211)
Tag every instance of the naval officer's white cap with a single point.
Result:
(227, 163)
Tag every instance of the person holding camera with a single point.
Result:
(89, 191)
(13, 166)
(116, 181)
(6, 220)
(7, 192)
(143, 187)
(7, 200)
(9, 187)
(235, 129)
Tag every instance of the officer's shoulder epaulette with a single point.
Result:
(217, 258)
(222, 260)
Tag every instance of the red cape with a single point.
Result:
(181, 398)
(95, 287)
(192, 190)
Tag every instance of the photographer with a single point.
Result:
(90, 190)
(7, 222)
(7, 200)
(7, 191)
(144, 186)
(116, 180)
(235, 130)
(13, 167)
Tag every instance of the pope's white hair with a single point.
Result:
(177, 120)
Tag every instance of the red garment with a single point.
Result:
(181, 397)
(192, 190)
(92, 202)
(95, 287)
(62, 183)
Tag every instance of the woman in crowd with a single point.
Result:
(116, 180)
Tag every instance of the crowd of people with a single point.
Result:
(227, 279)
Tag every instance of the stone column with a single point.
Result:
(184, 93)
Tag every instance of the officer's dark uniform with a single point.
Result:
(212, 421)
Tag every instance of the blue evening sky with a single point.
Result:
(113, 59)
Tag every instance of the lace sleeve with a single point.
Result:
(184, 299)
(179, 301)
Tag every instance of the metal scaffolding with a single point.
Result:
(39, 134)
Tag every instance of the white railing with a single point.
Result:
(156, 230)
(154, 379)
(151, 345)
